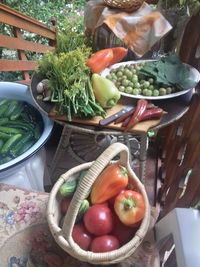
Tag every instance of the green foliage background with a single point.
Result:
(68, 15)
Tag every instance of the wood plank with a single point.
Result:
(17, 65)
(26, 24)
(141, 127)
(16, 43)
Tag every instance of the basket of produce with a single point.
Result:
(98, 212)
(124, 4)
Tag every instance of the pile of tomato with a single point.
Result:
(115, 212)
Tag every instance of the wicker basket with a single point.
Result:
(64, 236)
(124, 4)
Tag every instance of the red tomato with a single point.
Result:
(104, 243)
(81, 236)
(64, 205)
(129, 207)
(123, 233)
(98, 220)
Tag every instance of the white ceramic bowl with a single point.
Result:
(21, 92)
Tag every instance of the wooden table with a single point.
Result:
(175, 108)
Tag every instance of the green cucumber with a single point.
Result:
(3, 102)
(3, 109)
(20, 125)
(83, 208)
(9, 143)
(12, 107)
(5, 136)
(37, 131)
(20, 145)
(68, 188)
(3, 121)
(17, 112)
(26, 146)
(9, 130)
(1, 143)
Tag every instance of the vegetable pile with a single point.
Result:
(20, 128)
(154, 78)
(112, 213)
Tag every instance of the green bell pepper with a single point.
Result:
(105, 91)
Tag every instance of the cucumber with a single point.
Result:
(9, 130)
(20, 145)
(20, 125)
(9, 143)
(17, 112)
(3, 109)
(13, 107)
(1, 143)
(5, 136)
(3, 102)
(83, 208)
(3, 121)
(26, 146)
(37, 131)
(68, 188)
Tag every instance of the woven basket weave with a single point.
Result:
(124, 4)
(63, 236)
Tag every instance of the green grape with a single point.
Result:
(134, 78)
(146, 84)
(121, 88)
(125, 82)
(119, 74)
(137, 85)
(151, 87)
(145, 91)
(155, 92)
(162, 91)
(129, 90)
(135, 91)
(109, 77)
(168, 90)
(151, 80)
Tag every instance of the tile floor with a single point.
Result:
(69, 160)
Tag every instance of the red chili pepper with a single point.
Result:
(139, 111)
(154, 113)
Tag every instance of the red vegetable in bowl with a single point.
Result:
(81, 236)
(109, 183)
(104, 243)
(123, 232)
(98, 220)
(130, 207)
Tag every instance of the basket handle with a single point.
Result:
(85, 185)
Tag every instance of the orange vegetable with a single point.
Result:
(105, 58)
(99, 60)
(118, 54)
(129, 207)
(109, 183)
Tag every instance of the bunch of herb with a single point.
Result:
(169, 71)
(69, 83)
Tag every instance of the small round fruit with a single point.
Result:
(104, 243)
(98, 220)
(81, 236)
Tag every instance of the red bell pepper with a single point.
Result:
(109, 183)
(130, 207)
(105, 58)
(99, 60)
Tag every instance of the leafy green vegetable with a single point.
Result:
(69, 83)
(169, 71)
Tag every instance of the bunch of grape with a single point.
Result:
(128, 79)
